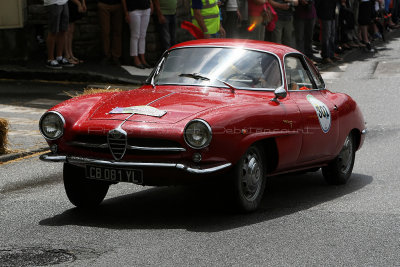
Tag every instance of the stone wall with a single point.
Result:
(27, 43)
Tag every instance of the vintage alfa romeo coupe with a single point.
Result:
(236, 111)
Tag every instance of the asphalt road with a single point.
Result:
(302, 220)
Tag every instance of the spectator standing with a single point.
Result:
(76, 10)
(283, 32)
(58, 16)
(110, 16)
(304, 20)
(165, 18)
(231, 20)
(365, 16)
(257, 28)
(137, 15)
(206, 16)
(326, 13)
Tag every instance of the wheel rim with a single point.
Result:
(251, 176)
(346, 155)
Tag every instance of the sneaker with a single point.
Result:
(53, 64)
(64, 62)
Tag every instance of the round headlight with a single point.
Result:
(52, 125)
(197, 134)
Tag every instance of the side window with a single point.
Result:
(296, 74)
(316, 76)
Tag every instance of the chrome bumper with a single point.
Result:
(117, 164)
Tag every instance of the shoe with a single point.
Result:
(327, 60)
(73, 61)
(139, 66)
(336, 58)
(65, 63)
(148, 66)
(53, 64)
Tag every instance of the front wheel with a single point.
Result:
(248, 178)
(83, 192)
(339, 170)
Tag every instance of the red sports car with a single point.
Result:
(228, 110)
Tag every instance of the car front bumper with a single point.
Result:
(50, 157)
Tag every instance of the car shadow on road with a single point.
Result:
(204, 209)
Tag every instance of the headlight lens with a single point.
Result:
(198, 134)
(52, 125)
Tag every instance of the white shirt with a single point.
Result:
(54, 2)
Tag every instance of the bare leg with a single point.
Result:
(51, 43)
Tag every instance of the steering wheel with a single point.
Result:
(254, 80)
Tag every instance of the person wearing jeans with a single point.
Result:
(165, 18)
(137, 15)
(110, 15)
(326, 14)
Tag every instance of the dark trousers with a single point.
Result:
(328, 38)
(110, 17)
(167, 31)
(304, 30)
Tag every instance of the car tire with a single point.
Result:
(339, 170)
(248, 178)
(83, 192)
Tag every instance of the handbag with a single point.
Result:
(269, 17)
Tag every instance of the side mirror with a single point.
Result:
(280, 93)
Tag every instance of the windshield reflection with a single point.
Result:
(239, 67)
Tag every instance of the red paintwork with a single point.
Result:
(292, 124)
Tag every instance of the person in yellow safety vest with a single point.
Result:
(206, 16)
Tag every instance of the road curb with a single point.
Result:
(17, 155)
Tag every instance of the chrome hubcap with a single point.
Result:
(251, 179)
(346, 155)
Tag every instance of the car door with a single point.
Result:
(320, 126)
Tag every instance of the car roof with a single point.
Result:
(277, 49)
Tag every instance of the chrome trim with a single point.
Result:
(163, 149)
(365, 131)
(82, 161)
(208, 127)
(152, 75)
(129, 147)
(83, 144)
(40, 124)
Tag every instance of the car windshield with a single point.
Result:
(204, 66)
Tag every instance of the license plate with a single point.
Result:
(113, 174)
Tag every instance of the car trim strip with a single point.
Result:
(82, 161)
(129, 147)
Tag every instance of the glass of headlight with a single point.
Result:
(52, 125)
(198, 134)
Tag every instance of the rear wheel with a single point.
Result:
(83, 192)
(339, 170)
(248, 177)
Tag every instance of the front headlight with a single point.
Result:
(51, 125)
(197, 134)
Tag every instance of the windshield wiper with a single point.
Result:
(196, 76)
(199, 76)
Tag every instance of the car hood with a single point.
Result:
(160, 106)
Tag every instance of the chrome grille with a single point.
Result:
(117, 141)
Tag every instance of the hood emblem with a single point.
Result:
(117, 141)
(141, 110)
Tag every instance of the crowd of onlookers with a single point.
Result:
(336, 25)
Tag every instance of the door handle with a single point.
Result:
(335, 107)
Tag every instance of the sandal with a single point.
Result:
(72, 60)
(78, 60)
